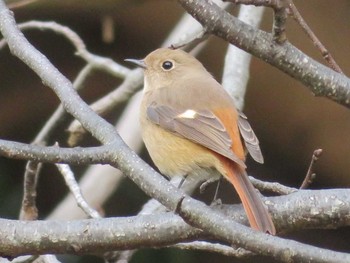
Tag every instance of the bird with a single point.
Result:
(190, 126)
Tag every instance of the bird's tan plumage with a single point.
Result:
(190, 124)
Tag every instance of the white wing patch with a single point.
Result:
(188, 114)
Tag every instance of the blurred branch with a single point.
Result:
(237, 62)
(97, 62)
(321, 80)
(321, 209)
(20, 3)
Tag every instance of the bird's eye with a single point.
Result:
(167, 65)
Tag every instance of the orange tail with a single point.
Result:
(257, 214)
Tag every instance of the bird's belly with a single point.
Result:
(176, 156)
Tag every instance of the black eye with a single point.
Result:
(167, 65)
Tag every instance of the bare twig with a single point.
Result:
(324, 52)
(216, 248)
(108, 29)
(75, 190)
(310, 175)
(189, 45)
(272, 187)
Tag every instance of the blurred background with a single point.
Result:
(289, 121)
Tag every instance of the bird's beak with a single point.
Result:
(138, 62)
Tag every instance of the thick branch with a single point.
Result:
(321, 208)
(321, 80)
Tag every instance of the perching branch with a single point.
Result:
(326, 208)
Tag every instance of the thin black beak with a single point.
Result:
(138, 62)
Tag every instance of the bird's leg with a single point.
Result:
(182, 181)
(216, 200)
(204, 185)
(217, 190)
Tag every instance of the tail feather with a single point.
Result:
(257, 213)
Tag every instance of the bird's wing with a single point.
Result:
(202, 127)
(249, 137)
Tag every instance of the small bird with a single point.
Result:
(191, 126)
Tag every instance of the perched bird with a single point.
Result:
(190, 126)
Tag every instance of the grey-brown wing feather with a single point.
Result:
(250, 139)
(203, 128)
